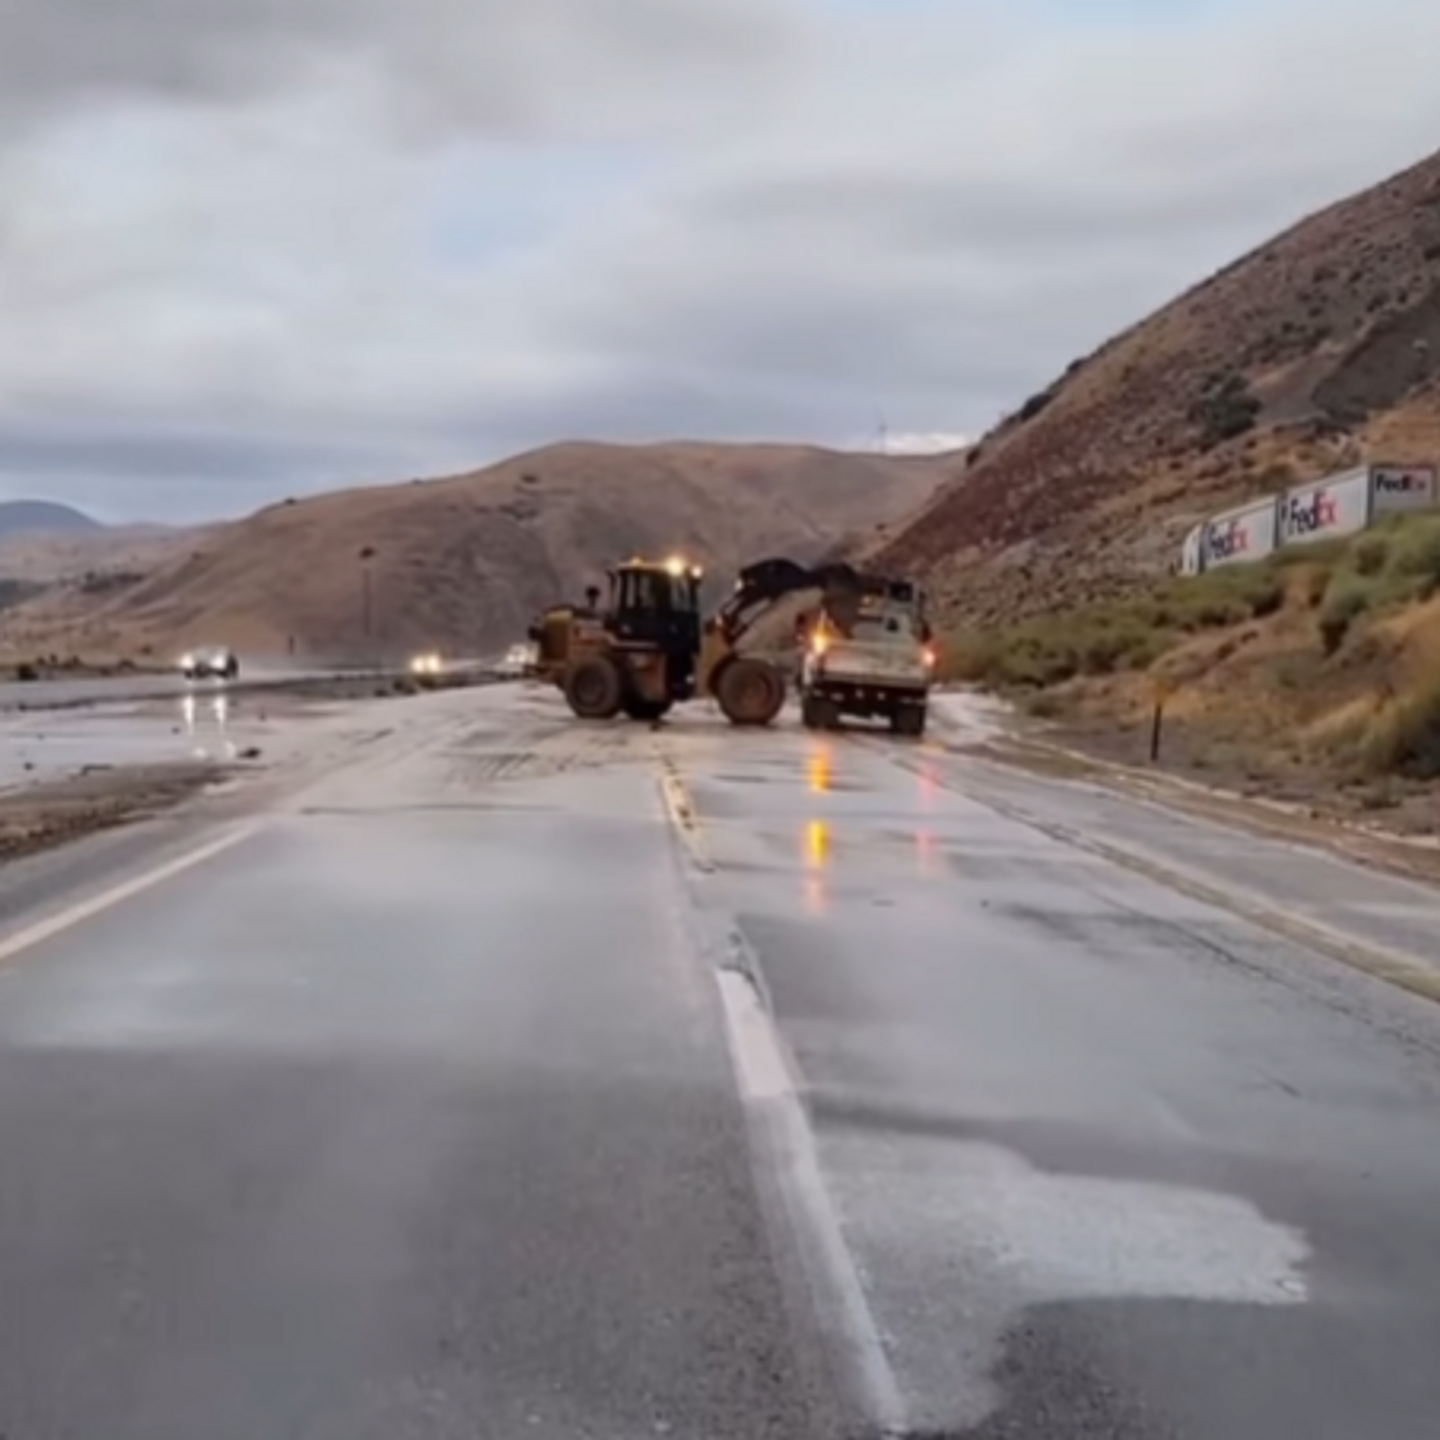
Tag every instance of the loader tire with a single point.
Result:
(749, 691)
(595, 689)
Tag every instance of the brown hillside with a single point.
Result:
(105, 556)
(463, 562)
(1318, 349)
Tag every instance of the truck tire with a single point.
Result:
(749, 691)
(818, 713)
(638, 709)
(595, 688)
(908, 720)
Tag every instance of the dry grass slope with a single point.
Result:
(1318, 665)
(464, 561)
(1319, 349)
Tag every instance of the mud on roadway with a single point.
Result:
(82, 765)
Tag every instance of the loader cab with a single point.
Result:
(656, 606)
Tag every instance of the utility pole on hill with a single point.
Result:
(367, 605)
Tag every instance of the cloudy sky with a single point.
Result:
(250, 248)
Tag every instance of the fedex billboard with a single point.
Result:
(1326, 510)
(1239, 535)
(1398, 488)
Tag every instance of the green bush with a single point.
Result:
(1404, 738)
(1416, 557)
(1344, 604)
(1393, 564)
(1370, 554)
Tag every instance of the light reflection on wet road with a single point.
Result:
(207, 726)
(415, 1114)
(198, 725)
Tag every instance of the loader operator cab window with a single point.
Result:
(647, 591)
(654, 605)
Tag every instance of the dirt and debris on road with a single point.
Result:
(49, 813)
(74, 772)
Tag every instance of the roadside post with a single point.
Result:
(1162, 688)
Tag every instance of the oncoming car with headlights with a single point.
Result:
(216, 662)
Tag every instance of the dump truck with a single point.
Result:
(872, 657)
(647, 647)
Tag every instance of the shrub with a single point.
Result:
(1370, 554)
(1344, 604)
(1105, 651)
(1035, 404)
(1404, 738)
(1227, 411)
(1044, 705)
(27, 671)
(1416, 557)
(969, 658)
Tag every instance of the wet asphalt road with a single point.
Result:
(118, 689)
(447, 1100)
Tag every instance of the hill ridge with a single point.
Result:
(463, 560)
(1318, 348)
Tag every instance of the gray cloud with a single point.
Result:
(248, 250)
(517, 68)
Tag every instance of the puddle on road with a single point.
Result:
(56, 745)
(207, 727)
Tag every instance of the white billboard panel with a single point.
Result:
(1398, 488)
(1246, 533)
(1325, 509)
(1192, 558)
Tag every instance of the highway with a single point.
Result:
(492, 1075)
(61, 693)
(58, 694)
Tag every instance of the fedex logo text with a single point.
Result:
(1305, 514)
(1225, 541)
(1402, 482)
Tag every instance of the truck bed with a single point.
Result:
(870, 665)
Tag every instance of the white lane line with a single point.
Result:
(66, 919)
(768, 1087)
